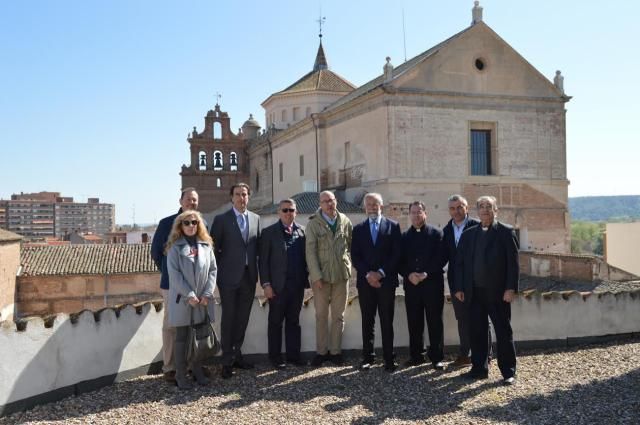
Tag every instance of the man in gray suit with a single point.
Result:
(283, 275)
(235, 237)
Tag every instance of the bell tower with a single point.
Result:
(218, 160)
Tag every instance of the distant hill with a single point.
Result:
(605, 208)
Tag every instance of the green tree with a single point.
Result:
(587, 237)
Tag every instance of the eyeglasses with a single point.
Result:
(288, 210)
(190, 222)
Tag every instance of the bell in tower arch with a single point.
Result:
(203, 160)
(233, 161)
(217, 160)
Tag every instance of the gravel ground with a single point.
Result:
(585, 385)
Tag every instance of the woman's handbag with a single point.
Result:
(204, 339)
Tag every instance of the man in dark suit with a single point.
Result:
(460, 221)
(375, 251)
(487, 274)
(422, 268)
(235, 236)
(188, 201)
(283, 275)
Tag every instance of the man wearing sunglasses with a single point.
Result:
(283, 275)
(188, 201)
(235, 237)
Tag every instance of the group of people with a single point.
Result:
(287, 257)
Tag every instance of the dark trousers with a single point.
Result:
(484, 305)
(463, 318)
(236, 308)
(381, 300)
(425, 301)
(285, 307)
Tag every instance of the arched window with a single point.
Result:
(218, 182)
(202, 160)
(217, 130)
(218, 161)
(257, 180)
(233, 161)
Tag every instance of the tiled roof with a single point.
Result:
(398, 70)
(308, 203)
(322, 80)
(6, 236)
(86, 259)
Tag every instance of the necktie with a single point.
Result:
(243, 226)
(374, 231)
(288, 230)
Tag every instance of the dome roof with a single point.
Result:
(251, 122)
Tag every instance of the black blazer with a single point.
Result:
(450, 248)
(231, 250)
(423, 252)
(385, 254)
(500, 257)
(274, 260)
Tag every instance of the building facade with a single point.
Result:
(47, 215)
(469, 116)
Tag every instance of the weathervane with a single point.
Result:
(320, 21)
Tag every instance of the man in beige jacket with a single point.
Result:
(329, 262)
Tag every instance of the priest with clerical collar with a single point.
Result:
(422, 269)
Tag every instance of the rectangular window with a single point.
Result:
(296, 112)
(480, 152)
(347, 152)
(302, 165)
(308, 112)
(284, 115)
(281, 171)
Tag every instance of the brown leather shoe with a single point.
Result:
(461, 361)
(170, 376)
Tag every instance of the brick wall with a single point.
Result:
(43, 295)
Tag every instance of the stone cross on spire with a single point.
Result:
(218, 97)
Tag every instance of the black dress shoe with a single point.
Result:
(475, 375)
(414, 361)
(439, 366)
(336, 359)
(227, 372)
(509, 381)
(366, 364)
(242, 364)
(297, 362)
(390, 366)
(319, 359)
(279, 365)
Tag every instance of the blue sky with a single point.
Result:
(97, 98)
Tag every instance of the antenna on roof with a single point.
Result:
(404, 36)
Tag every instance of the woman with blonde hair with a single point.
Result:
(192, 279)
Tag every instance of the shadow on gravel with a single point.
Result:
(416, 393)
(611, 401)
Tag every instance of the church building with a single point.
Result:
(469, 115)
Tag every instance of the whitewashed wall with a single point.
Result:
(41, 360)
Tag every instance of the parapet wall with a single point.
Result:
(65, 355)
